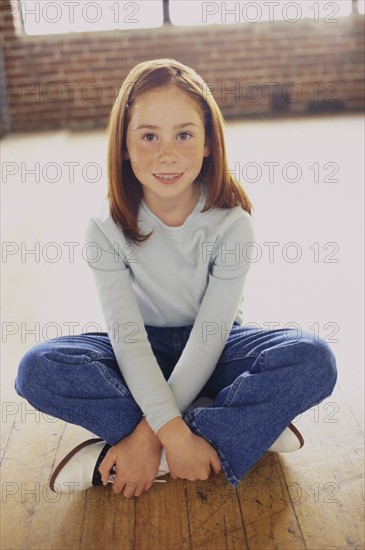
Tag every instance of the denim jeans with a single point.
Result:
(262, 381)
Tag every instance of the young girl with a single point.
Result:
(170, 250)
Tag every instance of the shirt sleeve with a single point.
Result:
(216, 314)
(126, 330)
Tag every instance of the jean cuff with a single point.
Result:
(189, 419)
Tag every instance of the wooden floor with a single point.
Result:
(307, 500)
(310, 500)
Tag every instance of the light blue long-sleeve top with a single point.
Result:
(191, 275)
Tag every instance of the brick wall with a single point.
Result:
(253, 69)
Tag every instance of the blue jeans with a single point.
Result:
(262, 381)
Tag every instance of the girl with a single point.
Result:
(170, 251)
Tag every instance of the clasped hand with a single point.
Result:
(137, 459)
(192, 458)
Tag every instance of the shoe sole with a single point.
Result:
(67, 458)
(297, 433)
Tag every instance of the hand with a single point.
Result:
(189, 456)
(137, 458)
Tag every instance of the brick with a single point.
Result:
(304, 53)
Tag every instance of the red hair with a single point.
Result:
(124, 190)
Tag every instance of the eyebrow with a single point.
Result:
(152, 127)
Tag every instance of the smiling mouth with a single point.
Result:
(168, 177)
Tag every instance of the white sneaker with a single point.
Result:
(79, 469)
(289, 441)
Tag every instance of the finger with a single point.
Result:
(216, 463)
(106, 465)
(119, 481)
(140, 489)
(130, 489)
(118, 485)
(149, 486)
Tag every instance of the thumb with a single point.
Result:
(106, 465)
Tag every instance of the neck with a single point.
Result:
(174, 211)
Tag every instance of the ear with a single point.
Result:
(125, 155)
(207, 149)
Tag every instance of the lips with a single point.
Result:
(168, 178)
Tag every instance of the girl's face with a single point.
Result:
(165, 142)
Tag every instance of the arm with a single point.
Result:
(126, 329)
(137, 456)
(216, 314)
(189, 456)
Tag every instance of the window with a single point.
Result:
(64, 16)
(198, 12)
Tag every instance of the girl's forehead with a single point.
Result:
(166, 98)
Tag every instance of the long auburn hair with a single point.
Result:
(124, 190)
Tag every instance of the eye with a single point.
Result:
(184, 136)
(148, 137)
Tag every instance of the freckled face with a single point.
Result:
(165, 142)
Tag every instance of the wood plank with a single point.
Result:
(270, 520)
(215, 517)
(13, 407)
(9, 410)
(58, 519)
(325, 479)
(109, 520)
(161, 517)
(25, 473)
(33, 516)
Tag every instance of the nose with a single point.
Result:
(167, 154)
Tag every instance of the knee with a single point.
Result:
(30, 376)
(319, 359)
